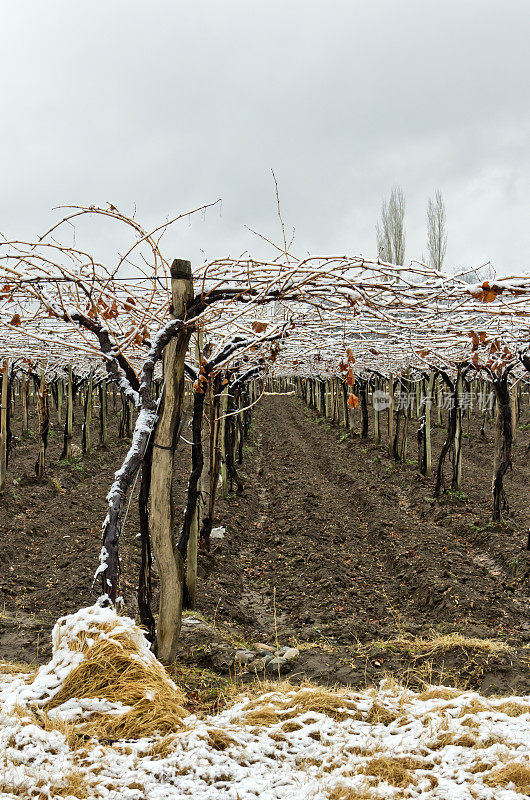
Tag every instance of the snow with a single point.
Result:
(89, 624)
(275, 762)
(103, 563)
(145, 423)
(447, 744)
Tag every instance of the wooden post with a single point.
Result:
(44, 425)
(407, 414)
(69, 416)
(3, 424)
(502, 459)
(162, 521)
(60, 392)
(193, 541)
(513, 405)
(345, 409)
(457, 474)
(377, 430)
(390, 414)
(103, 428)
(87, 444)
(129, 416)
(223, 491)
(24, 398)
(428, 404)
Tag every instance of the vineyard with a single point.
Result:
(265, 527)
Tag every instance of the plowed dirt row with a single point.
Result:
(345, 546)
(332, 547)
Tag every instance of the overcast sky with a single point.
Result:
(168, 105)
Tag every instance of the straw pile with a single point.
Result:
(102, 656)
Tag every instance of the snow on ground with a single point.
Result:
(389, 743)
(72, 635)
(292, 743)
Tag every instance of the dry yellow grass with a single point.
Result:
(512, 709)
(163, 747)
(393, 770)
(480, 766)
(74, 738)
(74, 784)
(291, 726)
(439, 693)
(8, 787)
(473, 707)
(17, 668)
(455, 739)
(264, 715)
(267, 710)
(379, 714)
(514, 772)
(113, 668)
(422, 647)
(343, 792)
(219, 739)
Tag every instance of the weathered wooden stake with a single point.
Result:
(193, 541)
(377, 426)
(89, 400)
(457, 467)
(223, 489)
(162, 518)
(67, 449)
(24, 398)
(60, 393)
(3, 423)
(390, 414)
(103, 413)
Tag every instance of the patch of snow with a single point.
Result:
(275, 762)
(87, 623)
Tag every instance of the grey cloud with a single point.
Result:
(170, 104)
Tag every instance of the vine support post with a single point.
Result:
(345, 409)
(513, 406)
(223, 489)
(24, 398)
(44, 424)
(128, 424)
(69, 415)
(193, 541)
(428, 406)
(87, 444)
(103, 427)
(165, 439)
(60, 392)
(377, 427)
(407, 415)
(3, 424)
(390, 414)
(502, 459)
(439, 399)
(457, 467)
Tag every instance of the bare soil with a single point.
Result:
(332, 547)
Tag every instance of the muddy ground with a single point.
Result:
(333, 548)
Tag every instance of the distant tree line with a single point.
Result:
(390, 230)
